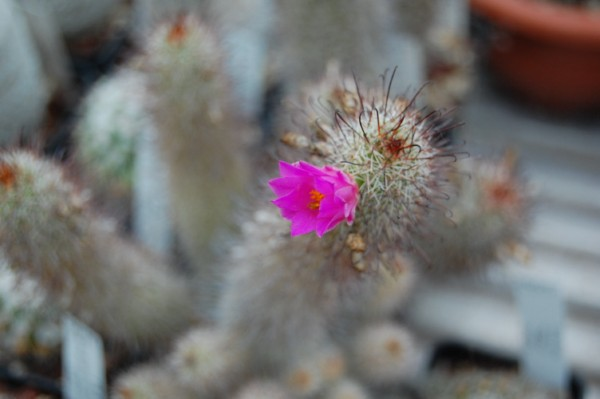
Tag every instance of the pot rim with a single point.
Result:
(550, 22)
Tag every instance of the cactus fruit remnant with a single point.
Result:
(50, 233)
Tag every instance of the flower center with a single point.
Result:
(315, 199)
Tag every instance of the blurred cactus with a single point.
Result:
(29, 323)
(199, 138)
(484, 384)
(23, 88)
(149, 14)
(488, 217)
(315, 372)
(263, 389)
(50, 233)
(272, 278)
(112, 118)
(312, 33)
(450, 62)
(386, 353)
(149, 381)
(205, 361)
(347, 389)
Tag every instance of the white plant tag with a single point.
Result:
(542, 310)
(83, 361)
(151, 222)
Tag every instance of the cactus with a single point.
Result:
(385, 353)
(149, 381)
(50, 233)
(199, 139)
(23, 89)
(205, 361)
(148, 14)
(489, 217)
(389, 292)
(29, 324)
(316, 371)
(312, 33)
(475, 384)
(112, 118)
(396, 156)
(393, 155)
(347, 389)
(262, 288)
(263, 389)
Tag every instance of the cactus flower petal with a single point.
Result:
(314, 198)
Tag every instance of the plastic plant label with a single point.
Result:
(542, 311)
(83, 361)
(151, 222)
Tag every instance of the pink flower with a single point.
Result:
(314, 198)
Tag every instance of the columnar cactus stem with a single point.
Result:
(50, 233)
(198, 137)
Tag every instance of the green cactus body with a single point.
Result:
(198, 138)
(49, 232)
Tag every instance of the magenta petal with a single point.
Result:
(302, 223)
(314, 198)
(285, 185)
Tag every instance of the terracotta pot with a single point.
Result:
(548, 53)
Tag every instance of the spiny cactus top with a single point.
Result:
(391, 149)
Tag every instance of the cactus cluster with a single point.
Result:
(245, 305)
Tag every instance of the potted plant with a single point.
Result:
(548, 52)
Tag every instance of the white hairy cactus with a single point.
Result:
(50, 233)
(29, 323)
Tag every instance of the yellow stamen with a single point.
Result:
(315, 199)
